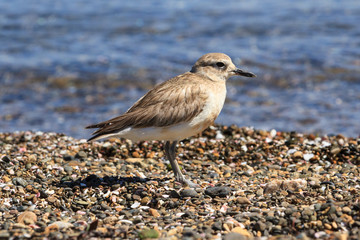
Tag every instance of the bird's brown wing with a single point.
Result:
(174, 101)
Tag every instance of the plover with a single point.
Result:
(178, 108)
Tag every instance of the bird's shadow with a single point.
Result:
(95, 181)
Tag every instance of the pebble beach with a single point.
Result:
(255, 184)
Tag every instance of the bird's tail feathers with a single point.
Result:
(99, 136)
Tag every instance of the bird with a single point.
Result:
(178, 108)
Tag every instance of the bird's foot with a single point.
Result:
(185, 181)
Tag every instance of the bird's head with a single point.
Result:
(218, 67)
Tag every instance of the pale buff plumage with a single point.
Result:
(176, 109)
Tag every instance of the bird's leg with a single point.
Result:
(170, 151)
(170, 154)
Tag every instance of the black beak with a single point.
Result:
(243, 73)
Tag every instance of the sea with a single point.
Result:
(67, 64)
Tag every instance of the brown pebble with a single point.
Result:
(341, 236)
(135, 154)
(327, 226)
(154, 212)
(6, 179)
(347, 219)
(134, 160)
(172, 232)
(51, 199)
(335, 150)
(346, 209)
(226, 227)
(111, 220)
(51, 228)
(272, 187)
(242, 231)
(32, 158)
(243, 200)
(151, 154)
(294, 185)
(20, 226)
(102, 230)
(118, 208)
(334, 225)
(145, 200)
(298, 154)
(27, 218)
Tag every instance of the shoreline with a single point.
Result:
(255, 184)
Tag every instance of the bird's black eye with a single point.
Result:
(220, 64)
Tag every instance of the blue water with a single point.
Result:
(66, 64)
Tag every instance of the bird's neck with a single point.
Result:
(209, 75)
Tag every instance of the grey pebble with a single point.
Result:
(20, 181)
(213, 175)
(188, 214)
(308, 212)
(101, 215)
(289, 211)
(259, 226)
(81, 155)
(68, 169)
(68, 157)
(188, 193)
(217, 191)
(125, 213)
(217, 226)
(174, 194)
(6, 159)
(317, 207)
(106, 207)
(190, 234)
(332, 209)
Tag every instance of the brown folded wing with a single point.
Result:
(174, 101)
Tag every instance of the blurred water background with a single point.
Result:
(66, 64)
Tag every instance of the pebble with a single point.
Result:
(259, 226)
(61, 225)
(242, 231)
(174, 194)
(292, 185)
(27, 218)
(217, 226)
(136, 205)
(20, 181)
(81, 155)
(68, 169)
(111, 220)
(217, 191)
(298, 154)
(188, 193)
(243, 200)
(6, 179)
(346, 210)
(154, 212)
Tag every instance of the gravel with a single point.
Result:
(254, 184)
